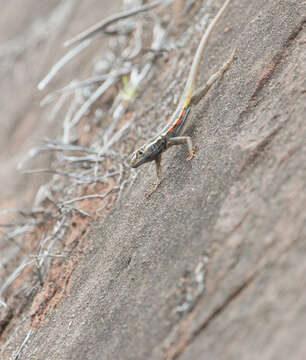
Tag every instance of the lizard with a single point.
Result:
(173, 131)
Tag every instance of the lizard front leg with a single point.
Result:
(158, 173)
(181, 140)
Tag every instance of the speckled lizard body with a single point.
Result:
(172, 133)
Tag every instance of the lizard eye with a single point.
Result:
(140, 152)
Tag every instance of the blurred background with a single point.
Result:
(31, 42)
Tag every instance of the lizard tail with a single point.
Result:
(190, 83)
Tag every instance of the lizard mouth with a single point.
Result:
(139, 159)
(134, 161)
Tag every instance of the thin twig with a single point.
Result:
(57, 234)
(40, 276)
(59, 146)
(55, 148)
(102, 25)
(57, 107)
(13, 335)
(95, 96)
(63, 61)
(81, 211)
(83, 83)
(26, 339)
(15, 274)
(88, 158)
(50, 255)
(2, 303)
(18, 231)
(14, 225)
(131, 54)
(93, 196)
(80, 179)
(25, 212)
(117, 136)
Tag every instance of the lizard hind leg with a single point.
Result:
(200, 93)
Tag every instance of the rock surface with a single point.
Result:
(213, 264)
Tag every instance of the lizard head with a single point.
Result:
(148, 152)
(139, 157)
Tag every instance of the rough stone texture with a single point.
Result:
(212, 266)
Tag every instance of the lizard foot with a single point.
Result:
(150, 192)
(192, 153)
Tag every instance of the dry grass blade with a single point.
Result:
(19, 230)
(95, 96)
(15, 274)
(26, 339)
(2, 303)
(59, 146)
(80, 84)
(93, 196)
(102, 25)
(116, 137)
(63, 61)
